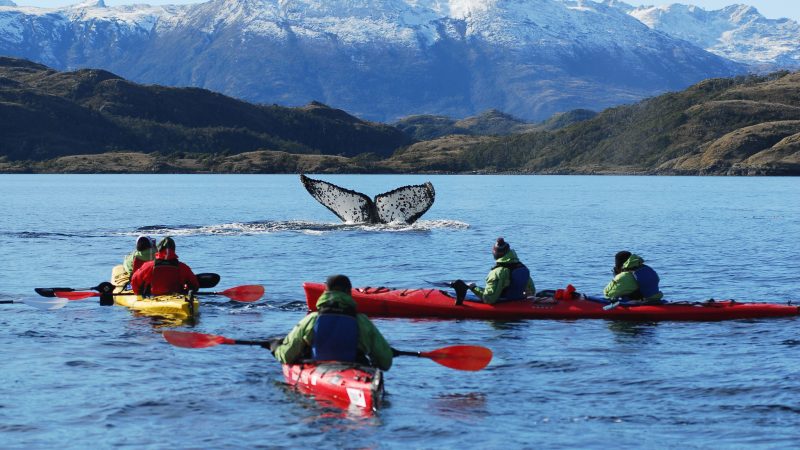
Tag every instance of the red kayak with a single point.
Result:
(345, 385)
(385, 302)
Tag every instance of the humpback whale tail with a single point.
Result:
(404, 204)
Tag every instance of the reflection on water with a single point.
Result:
(624, 330)
(326, 413)
(466, 406)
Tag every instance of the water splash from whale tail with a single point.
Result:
(404, 204)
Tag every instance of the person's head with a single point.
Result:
(166, 244)
(619, 260)
(338, 283)
(143, 243)
(500, 248)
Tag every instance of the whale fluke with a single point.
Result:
(404, 204)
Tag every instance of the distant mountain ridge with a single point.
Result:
(377, 59)
(737, 32)
(492, 122)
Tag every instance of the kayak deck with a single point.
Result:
(173, 306)
(345, 385)
(385, 302)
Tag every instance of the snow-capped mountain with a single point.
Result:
(379, 59)
(736, 32)
(7, 3)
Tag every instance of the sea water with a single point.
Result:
(92, 376)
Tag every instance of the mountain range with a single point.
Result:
(377, 59)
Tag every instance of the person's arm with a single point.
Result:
(622, 285)
(296, 342)
(128, 262)
(496, 281)
(374, 344)
(189, 278)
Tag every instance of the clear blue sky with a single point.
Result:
(770, 8)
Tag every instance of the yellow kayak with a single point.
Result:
(175, 306)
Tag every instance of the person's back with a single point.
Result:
(633, 280)
(335, 332)
(509, 279)
(165, 274)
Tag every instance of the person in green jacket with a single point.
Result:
(633, 280)
(144, 252)
(121, 275)
(335, 332)
(509, 279)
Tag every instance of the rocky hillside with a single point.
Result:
(47, 114)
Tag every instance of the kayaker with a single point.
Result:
(633, 280)
(509, 279)
(335, 332)
(143, 253)
(165, 274)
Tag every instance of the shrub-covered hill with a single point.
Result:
(47, 114)
(744, 125)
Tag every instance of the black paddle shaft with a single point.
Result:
(396, 352)
(243, 342)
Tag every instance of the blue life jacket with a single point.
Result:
(647, 279)
(335, 337)
(519, 281)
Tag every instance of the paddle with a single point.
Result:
(246, 293)
(444, 284)
(459, 286)
(459, 357)
(206, 280)
(51, 292)
(611, 305)
(40, 303)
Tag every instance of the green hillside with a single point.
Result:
(48, 114)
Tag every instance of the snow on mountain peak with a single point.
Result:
(738, 32)
(7, 3)
(91, 4)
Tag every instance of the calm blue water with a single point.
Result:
(96, 376)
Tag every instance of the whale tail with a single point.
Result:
(404, 204)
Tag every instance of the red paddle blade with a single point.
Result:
(247, 293)
(188, 339)
(77, 295)
(461, 357)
